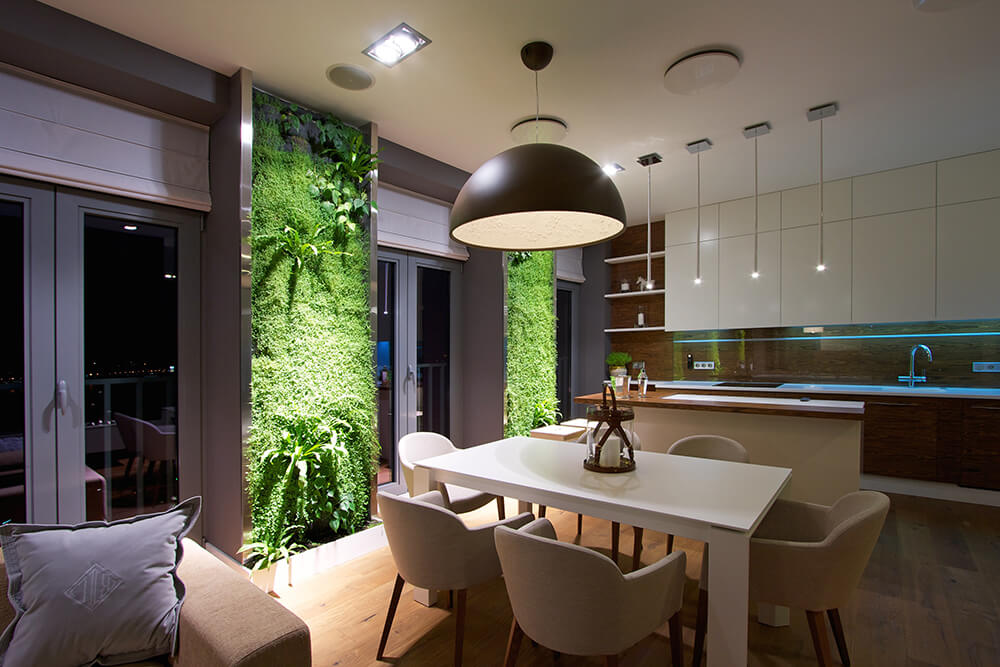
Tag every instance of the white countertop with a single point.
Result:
(814, 403)
(873, 389)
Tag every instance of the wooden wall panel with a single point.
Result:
(633, 240)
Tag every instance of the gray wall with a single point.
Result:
(594, 314)
(483, 356)
(225, 334)
(48, 41)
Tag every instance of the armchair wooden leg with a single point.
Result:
(513, 644)
(838, 635)
(611, 660)
(616, 529)
(393, 601)
(700, 626)
(459, 626)
(817, 627)
(541, 511)
(636, 548)
(579, 524)
(670, 544)
(501, 510)
(676, 641)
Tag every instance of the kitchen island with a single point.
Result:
(820, 440)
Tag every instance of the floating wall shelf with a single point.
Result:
(656, 328)
(622, 295)
(632, 258)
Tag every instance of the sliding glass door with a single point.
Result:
(419, 318)
(101, 419)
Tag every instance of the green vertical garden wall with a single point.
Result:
(312, 445)
(531, 342)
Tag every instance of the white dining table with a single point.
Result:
(717, 502)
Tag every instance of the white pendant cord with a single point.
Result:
(649, 227)
(756, 209)
(697, 277)
(537, 106)
(821, 265)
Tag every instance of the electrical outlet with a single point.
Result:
(704, 365)
(986, 366)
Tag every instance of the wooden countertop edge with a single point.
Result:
(805, 410)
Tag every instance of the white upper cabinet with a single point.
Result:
(894, 190)
(809, 296)
(968, 236)
(691, 306)
(745, 301)
(736, 217)
(894, 267)
(800, 206)
(682, 226)
(969, 178)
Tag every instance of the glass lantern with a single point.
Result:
(610, 436)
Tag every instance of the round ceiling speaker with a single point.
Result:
(701, 71)
(550, 130)
(350, 77)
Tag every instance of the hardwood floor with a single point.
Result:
(930, 596)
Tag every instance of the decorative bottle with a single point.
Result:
(642, 378)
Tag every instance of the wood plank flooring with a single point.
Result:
(930, 597)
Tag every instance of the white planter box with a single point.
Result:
(325, 556)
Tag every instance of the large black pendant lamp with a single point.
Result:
(537, 196)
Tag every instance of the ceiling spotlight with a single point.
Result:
(396, 45)
(612, 168)
(130, 228)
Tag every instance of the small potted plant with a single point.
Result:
(617, 362)
(263, 558)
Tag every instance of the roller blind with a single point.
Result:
(55, 132)
(569, 265)
(410, 222)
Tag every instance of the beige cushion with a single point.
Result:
(574, 600)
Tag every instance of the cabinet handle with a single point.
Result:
(893, 405)
(985, 407)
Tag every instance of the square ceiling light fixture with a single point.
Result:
(396, 45)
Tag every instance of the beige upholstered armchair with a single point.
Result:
(434, 549)
(575, 600)
(812, 557)
(415, 447)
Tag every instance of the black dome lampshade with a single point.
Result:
(537, 196)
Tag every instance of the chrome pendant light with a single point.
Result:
(697, 148)
(752, 132)
(819, 113)
(537, 196)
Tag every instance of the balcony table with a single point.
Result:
(717, 502)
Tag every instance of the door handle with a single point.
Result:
(62, 396)
(410, 376)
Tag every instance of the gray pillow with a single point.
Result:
(104, 592)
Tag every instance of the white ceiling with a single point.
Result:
(912, 86)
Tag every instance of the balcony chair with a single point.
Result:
(574, 600)
(145, 441)
(434, 549)
(810, 557)
(414, 447)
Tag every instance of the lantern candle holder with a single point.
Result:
(609, 445)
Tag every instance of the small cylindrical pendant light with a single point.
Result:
(697, 147)
(819, 113)
(752, 132)
(648, 161)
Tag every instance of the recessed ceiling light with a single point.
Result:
(612, 168)
(396, 45)
(130, 228)
(701, 71)
(350, 77)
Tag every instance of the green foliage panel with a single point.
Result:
(531, 342)
(313, 446)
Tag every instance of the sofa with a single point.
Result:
(226, 621)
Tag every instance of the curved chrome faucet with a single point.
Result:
(911, 378)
